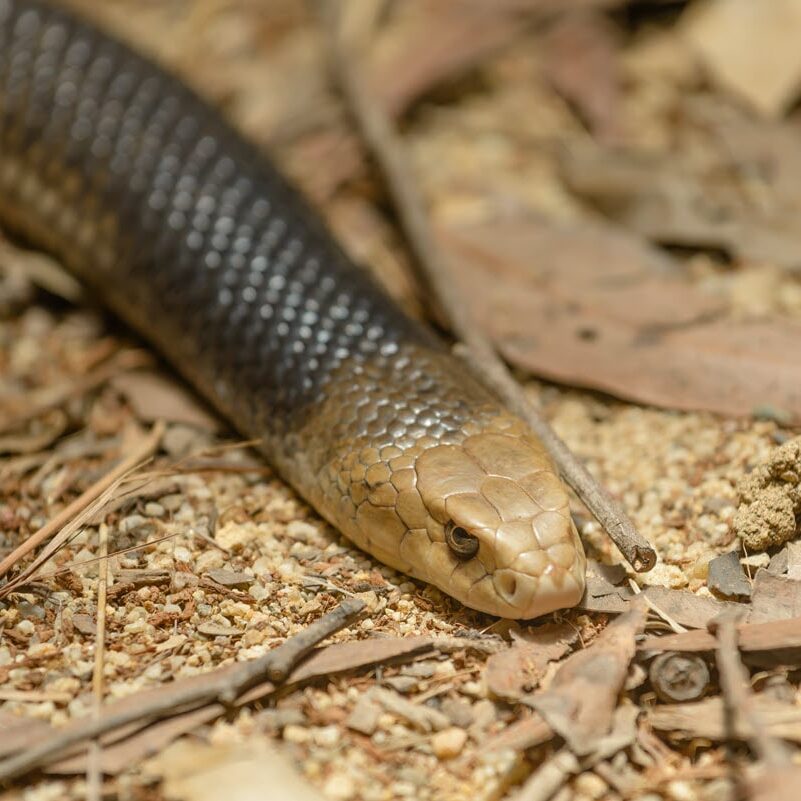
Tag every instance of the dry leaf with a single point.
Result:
(750, 49)
(155, 397)
(580, 62)
(511, 673)
(405, 66)
(702, 202)
(581, 701)
(593, 307)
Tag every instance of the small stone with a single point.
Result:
(231, 578)
(216, 630)
(301, 531)
(726, 576)
(132, 523)
(153, 509)
(297, 734)
(339, 787)
(591, 785)
(448, 743)
(458, 712)
(84, 623)
(327, 736)
(403, 684)
(364, 717)
(25, 627)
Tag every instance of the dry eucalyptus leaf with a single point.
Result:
(156, 397)
(511, 673)
(750, 49)
(594, 307)
(581, 701)
(695, 202)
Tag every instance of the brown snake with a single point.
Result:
(191, 236)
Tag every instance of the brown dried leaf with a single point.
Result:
(591, 306)
(581, 701)
(687, 608)
(580, 62)
(701, 203)
(406, 66)
(18, 733)
(155, 397)
(511, 673)
(750, 49)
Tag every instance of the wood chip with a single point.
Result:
(231, 578)
(726, 576)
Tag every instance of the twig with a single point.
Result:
(229, 683)
(737, 695)
(140, 453)
(388, 151)
(94, 777)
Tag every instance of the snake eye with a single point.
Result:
(460, 541)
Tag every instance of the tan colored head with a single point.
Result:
(485, 519)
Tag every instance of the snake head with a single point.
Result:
(500, 535)
(483, 517)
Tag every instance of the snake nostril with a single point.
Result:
(507, 585)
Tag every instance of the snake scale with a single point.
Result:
(189, 234)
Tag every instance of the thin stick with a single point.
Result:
(389, 154)
(738, 697)
(94, 776)
(140, 453)
(229, 683)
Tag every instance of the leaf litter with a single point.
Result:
(557, 207)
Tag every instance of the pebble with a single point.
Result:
(297, 734)
(339, 787)
(448, 743)
(153, 509)
(591, 785)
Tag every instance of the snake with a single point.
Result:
(186, 230)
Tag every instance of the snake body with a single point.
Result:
(189, 234)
